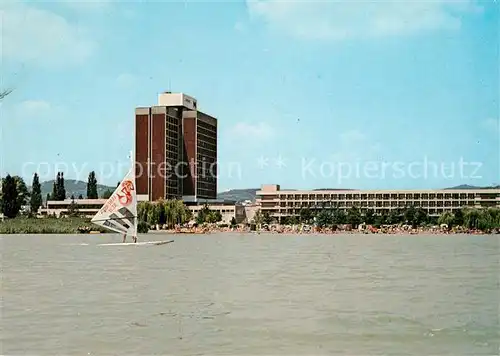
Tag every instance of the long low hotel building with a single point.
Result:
(90, 207)
(285, 203)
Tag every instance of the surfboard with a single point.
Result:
(144, 243)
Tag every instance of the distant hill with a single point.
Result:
(73, 187)
(334, 189)
(238, 195)
(77, 187)
(466, 186)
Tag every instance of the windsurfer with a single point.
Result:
(134, 238)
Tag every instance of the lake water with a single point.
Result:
(231, 294)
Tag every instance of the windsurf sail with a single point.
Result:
(119, 213)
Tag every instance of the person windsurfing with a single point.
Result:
(134, 238)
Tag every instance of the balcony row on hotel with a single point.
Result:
(289, 202)
(382, 196)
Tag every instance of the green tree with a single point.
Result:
(459, 218)
(189, 214)
(183, 213)
(409, 215)
(92, 186)
(432, 219)
(306, 215)
(217, 216)
(354, 216)
(142, 227)
(446, 218)
(47, 198)
(62, 190)
(382, 218)
(60, 193)
(36, 195)
(257, 218)
(233, 221)
(211, 217)
(369, 217)
(170, 213)
(22, 192)
(485, 220)
(107, 193)
(153, 217)
(143, 210)
(58, 186)
(324, 218)
(267, 218)
(395, 216)
(339, 216)
(421, 217)
(162, 208)
(495, 217)
(176, 212)
(488, 219)
(415, 216)
(53, 196)
(471, 218)
(203, 215)
(73, 207)
(10, 207)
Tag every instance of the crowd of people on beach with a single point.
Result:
(310, 229)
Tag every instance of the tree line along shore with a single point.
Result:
(19, 207)
(16, 199)
(173, 215)
(14, 195)
(463, 219)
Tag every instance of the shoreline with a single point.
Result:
(265, 232)
(326, 231)
(314, 233)
(69, 226)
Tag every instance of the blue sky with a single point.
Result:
(308, 94)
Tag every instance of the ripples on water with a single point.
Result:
(251, 295)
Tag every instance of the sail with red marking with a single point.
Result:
(119, 213)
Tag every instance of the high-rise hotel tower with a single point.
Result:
(175, 150)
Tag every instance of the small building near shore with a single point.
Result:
(227, 209)
(82, 207)
(90, 207)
